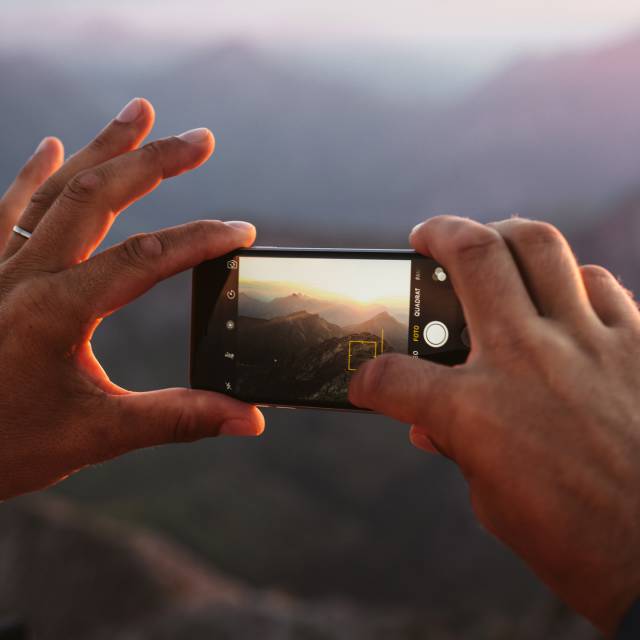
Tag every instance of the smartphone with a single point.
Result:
(289, 327)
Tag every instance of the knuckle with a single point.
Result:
(139, 250)
(210, 225)
(46, 194)
(472, 242)
(81, 189)
(207, 227)
(536, 234)
(101, 142)
(153, 152)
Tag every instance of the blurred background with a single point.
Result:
(337, 124)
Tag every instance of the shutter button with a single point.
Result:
(436, 334)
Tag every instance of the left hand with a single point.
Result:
(58, 409)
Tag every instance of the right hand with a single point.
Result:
(58, 409)
(544, 418)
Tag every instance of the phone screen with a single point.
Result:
(291, 328)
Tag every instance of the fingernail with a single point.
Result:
(239, 428)
(241, 225)
(196, 136)
(130, 112)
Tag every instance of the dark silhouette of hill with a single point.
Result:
(301, 356)
(252, 307)
(343, 313)
(334, 311)
(282, 337)
(320, 372)
(67, 574)
(278, 307)
(297, 357)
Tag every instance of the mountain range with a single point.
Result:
(314, 160)
(324, 505)
(106, 580)
(383, 324)
(336, 312)
(283, 337)
(301, 356)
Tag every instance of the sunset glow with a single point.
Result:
(405, 22)
(365, 281)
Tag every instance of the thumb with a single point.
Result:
(412, 391)
(180, 415)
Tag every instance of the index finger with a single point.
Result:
(116, 276)
(84, 212)
(484, 273)
(125, 132)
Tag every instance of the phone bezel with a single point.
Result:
(208, 281)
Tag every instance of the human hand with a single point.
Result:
(58, 409)
(544, 418)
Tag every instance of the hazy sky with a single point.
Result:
(366, 281)
(517, 23)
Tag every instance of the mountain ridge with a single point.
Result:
(395, 334)
(544, 133)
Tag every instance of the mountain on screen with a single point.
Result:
(395, 334)
(305, 355)
(336, 312)
(282, 338)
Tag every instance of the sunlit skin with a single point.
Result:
(544, 418)
(58, 409)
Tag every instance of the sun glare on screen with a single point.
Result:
(363, 281)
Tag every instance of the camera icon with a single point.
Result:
(232, 264)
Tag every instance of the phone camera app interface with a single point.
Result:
(304, 325)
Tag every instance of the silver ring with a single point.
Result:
(22, 232)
